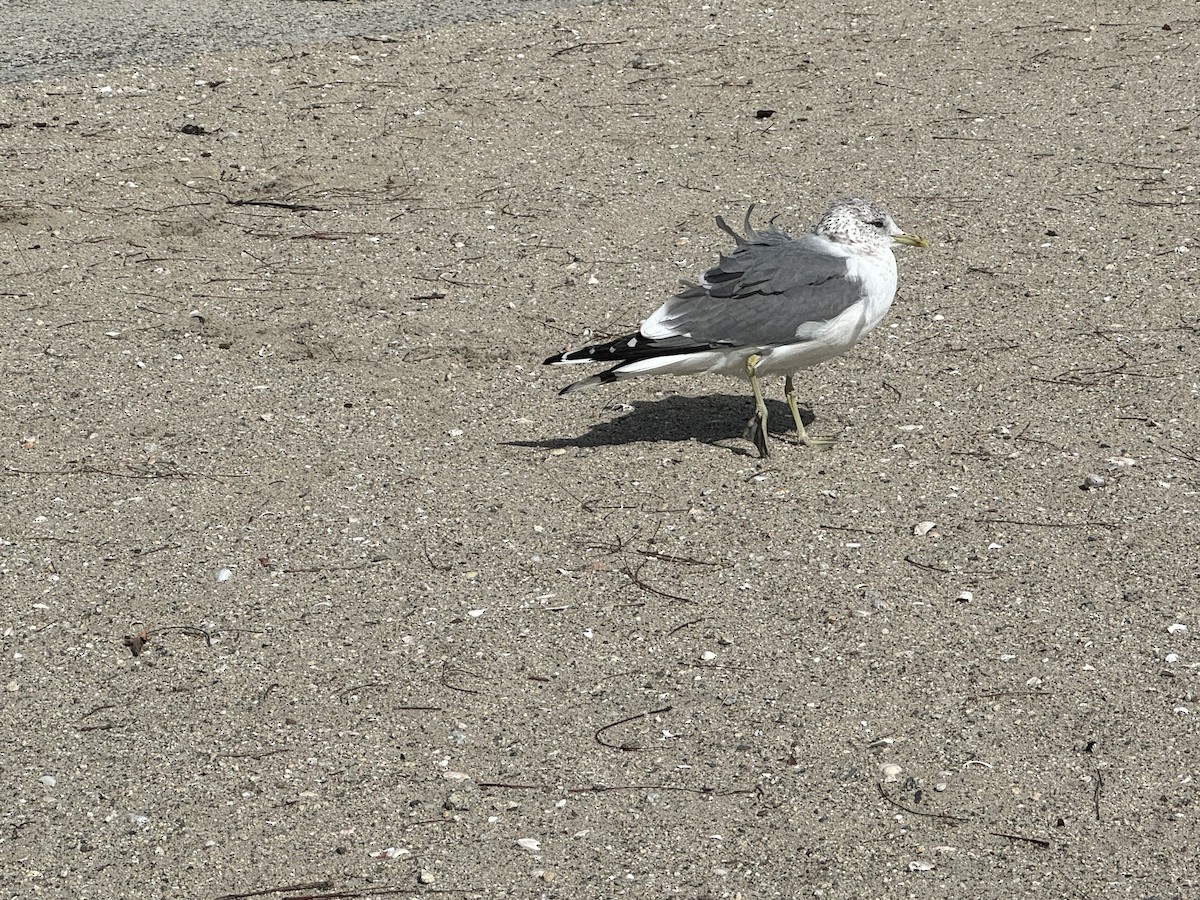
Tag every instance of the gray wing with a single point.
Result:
(773, 289)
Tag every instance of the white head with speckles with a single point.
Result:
(865, 224)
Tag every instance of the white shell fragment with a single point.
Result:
(389, 853)
(964, 597)
(1177, 628)
(920, 865)
(224, 574)
(891, 772)
(923, 528)
(531, 844)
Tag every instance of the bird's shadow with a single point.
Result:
(716, 419)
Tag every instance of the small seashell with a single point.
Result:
(48, 780)
(531, 844)
(1177, 628)
(1093, 482)
(476, 613)
(224, 574)
(920, 865)
(964, 597)
(923, 528)
(891, 772)
(389, 853)
(708, 656)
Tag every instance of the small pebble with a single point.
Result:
(1094, 482)
(426, 877)
(1177, 628)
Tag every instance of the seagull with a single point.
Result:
(774, 305)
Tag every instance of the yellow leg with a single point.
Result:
(756, 428)
(789, 391)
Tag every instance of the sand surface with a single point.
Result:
(40, 39)
(310, 580)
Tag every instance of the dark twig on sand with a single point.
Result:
(449, 671)
(635, 576)
(957, 820)
(626, 747)
(917, 812)
(927, 566)
(679, 628)
(309, 886)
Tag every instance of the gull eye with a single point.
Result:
(876, 223)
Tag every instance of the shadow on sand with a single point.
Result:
(716, 419)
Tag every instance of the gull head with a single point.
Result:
(864, 225)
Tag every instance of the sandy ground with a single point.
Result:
(311, 580)
(40, 39)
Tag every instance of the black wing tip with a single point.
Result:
(592, 381)
(624, 349)
(594, 353)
